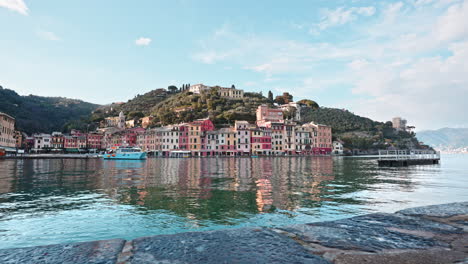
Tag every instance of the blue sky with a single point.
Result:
(377, 58)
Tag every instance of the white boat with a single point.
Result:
(125, 153)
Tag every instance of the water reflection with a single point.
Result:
(74, 200)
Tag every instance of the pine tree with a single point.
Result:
(270, 96)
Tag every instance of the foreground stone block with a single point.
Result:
(432, 256)
(373, 233)
(439, 210)
(96, 252)
(244, 245)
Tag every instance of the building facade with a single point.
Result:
(7, 131)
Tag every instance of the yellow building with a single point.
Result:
(7, 131)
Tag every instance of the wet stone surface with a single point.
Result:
(96, 252)
(244, 245)
(375, 232)
(439, 210)
(431, 234)
(394, 221)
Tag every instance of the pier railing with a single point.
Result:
(409, 155)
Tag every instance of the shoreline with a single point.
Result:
(427, 234)
(91, 156)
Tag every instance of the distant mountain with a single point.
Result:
(43, 114)
(445, 137)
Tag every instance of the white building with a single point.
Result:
(225, 92)
(231, 93)
(42, 141)
(304, 139)
(212, 141)
(337, 148)
(198, 88)
(298, 108)
(243, 137)
(289, 137)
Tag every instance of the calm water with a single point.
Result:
(52, 201)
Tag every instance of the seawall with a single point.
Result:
(429, 234)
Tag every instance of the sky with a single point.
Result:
(378, 59)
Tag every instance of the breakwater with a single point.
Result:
(429, 234)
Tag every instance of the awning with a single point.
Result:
(72, 150)
(8, 149)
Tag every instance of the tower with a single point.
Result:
(121, 123)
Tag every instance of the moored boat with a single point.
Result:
(125, 153)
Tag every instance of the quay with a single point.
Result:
(428, 234)
(52, 156)
(396, 158)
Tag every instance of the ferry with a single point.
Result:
(125, 153)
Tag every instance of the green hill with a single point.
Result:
(43, 114)
(184, 106)
(361, 132)
(47, 114)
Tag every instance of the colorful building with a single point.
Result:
(7, 132)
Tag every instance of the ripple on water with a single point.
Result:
(52, 201)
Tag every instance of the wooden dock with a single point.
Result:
(397, 158)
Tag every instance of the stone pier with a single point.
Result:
(429, 234)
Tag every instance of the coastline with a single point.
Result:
(427, 234)
(92, 156)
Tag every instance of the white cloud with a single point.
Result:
(407, 61)
(429, 91)
(341, 16)
(48, 35)
(143, 41)
(453, 25)
(15, 5)
(436, 3)
(210, 57)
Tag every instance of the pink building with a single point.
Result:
(267, 114)
(323, 144)
(183, 137)
(261, 141)
(70, 142)
(94, 141)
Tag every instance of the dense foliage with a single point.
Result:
(341, 120)
(43, 114)
(46, 114)
(358, 132)
(186, 107)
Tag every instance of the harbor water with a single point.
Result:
(50, 201)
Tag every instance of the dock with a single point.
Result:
(396, 158)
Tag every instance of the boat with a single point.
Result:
(125, 153)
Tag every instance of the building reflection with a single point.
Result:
(215, 189)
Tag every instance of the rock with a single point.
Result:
(96, 252)
(437, 256)
(244, 245)
(374, 232)
(394, 222)
(439, 210)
